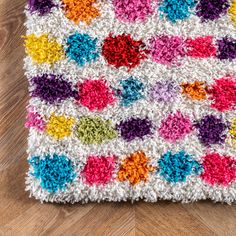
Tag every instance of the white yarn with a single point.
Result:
(156, 188)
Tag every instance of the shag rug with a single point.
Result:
(131, 99)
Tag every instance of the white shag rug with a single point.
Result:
(131, 99)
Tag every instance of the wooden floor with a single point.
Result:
(20, 215)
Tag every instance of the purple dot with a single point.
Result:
(52, 88)
(211, 9)
(226, 48)
(211, 130)
(41, 6)
(134, 128)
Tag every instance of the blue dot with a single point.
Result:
(176, 167)
(132, 90)
(82, 48)
(176, 10)
(53, 172)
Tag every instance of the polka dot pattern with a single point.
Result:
(131, 99)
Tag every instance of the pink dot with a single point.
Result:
(223, 94)
(167, 50)
(200, 47)
(218, 169)
(99, 169)
(95, 94)
(133, 10)
(176, 126)
(34, 120)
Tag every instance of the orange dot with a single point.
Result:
(80, 10)
(195, 91)
(135, 168)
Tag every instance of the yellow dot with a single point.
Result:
(42, 49)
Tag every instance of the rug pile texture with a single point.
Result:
(131, 99)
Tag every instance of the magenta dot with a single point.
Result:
(167, 50)
(133, 10)
(176, 126)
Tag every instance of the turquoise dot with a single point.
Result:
(176, 167)
(82, 48)
(131, 91)
(54, 172)
(176, 10)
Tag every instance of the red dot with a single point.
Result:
(123, 50)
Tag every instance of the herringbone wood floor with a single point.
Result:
(22, 216)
